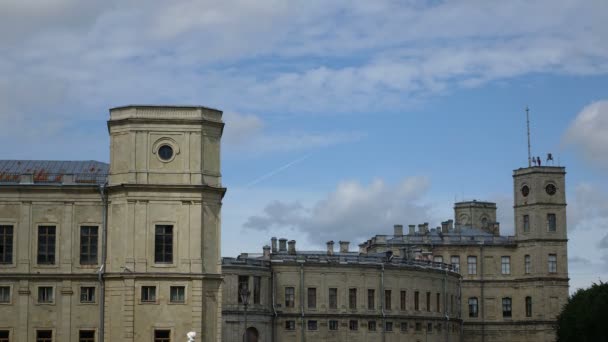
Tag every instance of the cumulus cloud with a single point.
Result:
(353, 211)
(588, 208)
(589, 133)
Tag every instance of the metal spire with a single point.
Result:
(528, 125)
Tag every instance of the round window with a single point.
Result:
(551, 189)
(525, 191)
(165, 152)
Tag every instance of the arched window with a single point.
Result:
(473, 308)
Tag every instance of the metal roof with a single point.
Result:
(51, 171)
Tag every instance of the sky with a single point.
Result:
(342, 118)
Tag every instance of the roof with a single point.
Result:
(52, 171)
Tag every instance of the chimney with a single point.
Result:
(330, 247)
(426, 227)
(266, 252)
(292, 247)
(450, 224)
(421, 229)
(398, 230)
(282, 245)
(363, 248)
(496, 230)
(273, 243)
(444, 226)
(344, 246)
(412, 228)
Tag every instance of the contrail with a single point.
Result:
(272, 173)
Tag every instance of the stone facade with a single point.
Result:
(131, 254)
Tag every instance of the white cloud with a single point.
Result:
(589, 133)
(353, 211)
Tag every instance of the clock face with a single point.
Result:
(551, 189)
(525, 190)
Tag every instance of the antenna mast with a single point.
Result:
(528, 125)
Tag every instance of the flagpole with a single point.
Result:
(528, 125)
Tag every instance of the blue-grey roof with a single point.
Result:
(52, 171)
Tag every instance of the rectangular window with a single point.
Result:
(6, 244)
(438, 302)
(45, 295)
(44, 336)
(526, 219)
(418, 326)
(312, 325)
(371, 325)
(429, 327)
(163, 244)
(4, 336)
(472, 264)
(257, 289)
(88, 245)
(177, 294)
(403, 300)
(352, 299)
(371, 299)
(333, 298)
(505, 263)
(290, 325)
(5, 294)
(353, 325)
(333, 325)
(242, 287)
(312, 298)
(473, 308)
(455, 261)
(387, 299)
(552, 263)
(527, 264)
(46, 245)
(148, 294)
(416, 300)
(87, 294)
(162, 335)
(428, 301)
(438, 259)
(506, 307)
(388, 326)
(290, 297)
(528, 306)
(86, 336)
(551, 222)
(403, 326)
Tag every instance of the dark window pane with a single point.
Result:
(257, 289)
(177, 294)
(44, 336)
(86, 336)
(88, 245)
(6, 244)
(46, 245)
(162, 336)
(163, 244)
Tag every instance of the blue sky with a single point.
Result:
(342, 118)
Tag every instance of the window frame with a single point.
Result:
(55, 257)
(165, 254)
(290, 325)
(472, 266)
(353, 325)
(526, 223)
(87, 339)
(371, 326)
(333, 325)
(371, 299)
(80, 293)
(10, 294)
(505, 267)
(44, 339)
(352, 298)
(241, 280)
(388, 299)
(7, 242)
(257, 290)
(527, 264)
(311, 298)
(403, 300)
(312, 323)
(455, 266)
(53, 294)
(141, 294)
(551, 222)
(332, 299)
(8, 335)
(178, 286)
(388, 326)
(528, 304)
(290, 298)
(507, 307)
(91, 250)
(552, 263)
(473, 304)
(162, 339)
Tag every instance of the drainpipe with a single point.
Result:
(302, 300)
(102, 268)
(274, 304)
(382, 299)
(483, 306)
(445, 306)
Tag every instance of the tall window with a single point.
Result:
(429, 327)
(551, 222)
(472, 264)
(88, 245)
(6, 244)
(163, 244)
(86, 336)
(312, 325)
(473, 308)
(333, 298)
(162, 335)
(177, 294)
(371, 325)
(438, 300)
(506, 307)
(526, 223)
(403, 300)
(455, 261)
(505, 263)
(428, 301)
(148, 294)
(312, 298)
(243, 286)
(333, 324)
(257, 289)
(387, 299)
(46, 295)
(87, 294)
(552, 263)
(353, 325)
(46, 245)
(352, 299)
(528, 306)
(527, 264)
(290, 297)
(44, 336)
(416, 300)
(403, 326)
(371, 299)
(388, 326)
(4, 336)
(5, 294)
